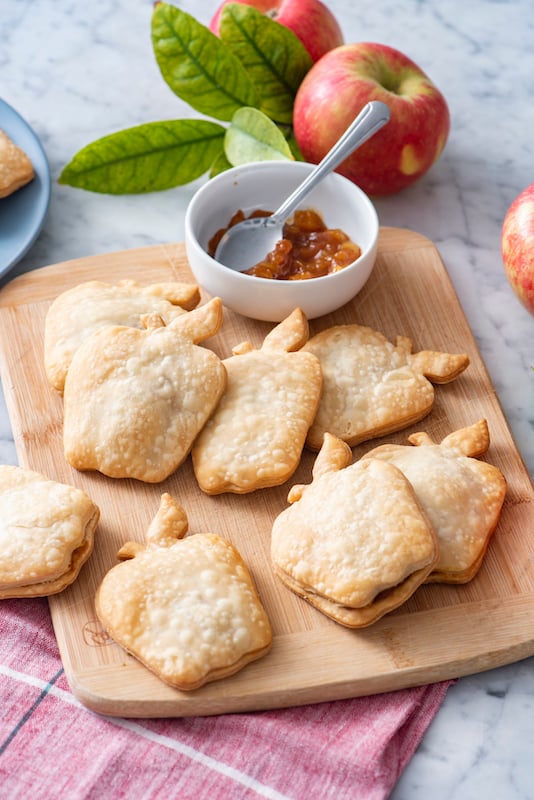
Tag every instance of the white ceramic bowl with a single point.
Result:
(265, 185)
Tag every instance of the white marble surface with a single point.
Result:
(77, 71)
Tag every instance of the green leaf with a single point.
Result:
(252, 136)
(273, 56)
(197, 66)
(293, 146)
(221, 164)
(146, 158)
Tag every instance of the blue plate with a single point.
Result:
(22, 213)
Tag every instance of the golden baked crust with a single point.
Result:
(462, 496)
(136, 399)
(256, 435)
(76, 313)
(16, 169)
(355, 542)
(46, 533)
(185, 607)
(382, 604)
(372, 387)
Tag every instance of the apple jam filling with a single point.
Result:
(308, 248)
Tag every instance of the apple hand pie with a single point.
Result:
(46, 533)
(186, 608)
(462, 496)
(372, 387)
(135, 400)
(355, 543)
(256, 435)
(16, 169)
(76, 313)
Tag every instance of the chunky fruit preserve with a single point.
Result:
(308, 248)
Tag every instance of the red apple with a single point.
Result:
(336, 89)
(310, 20)
(517, 243)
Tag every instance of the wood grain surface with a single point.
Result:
(441, 632)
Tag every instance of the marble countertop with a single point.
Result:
(77, 71)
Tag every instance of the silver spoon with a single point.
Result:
(247, 243)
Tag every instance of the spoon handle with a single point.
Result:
(370, 119)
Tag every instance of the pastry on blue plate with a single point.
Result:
(16, 169)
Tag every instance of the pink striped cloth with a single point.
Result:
(52, 746)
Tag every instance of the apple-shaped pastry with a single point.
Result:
(372, 387)
(461, 495)
(76, 313)
(46, 533)
(136, 399)
(256, 435)
(355, 543)
(185, 607)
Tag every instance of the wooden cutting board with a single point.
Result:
(441, 632)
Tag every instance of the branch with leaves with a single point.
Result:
(247, 78)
